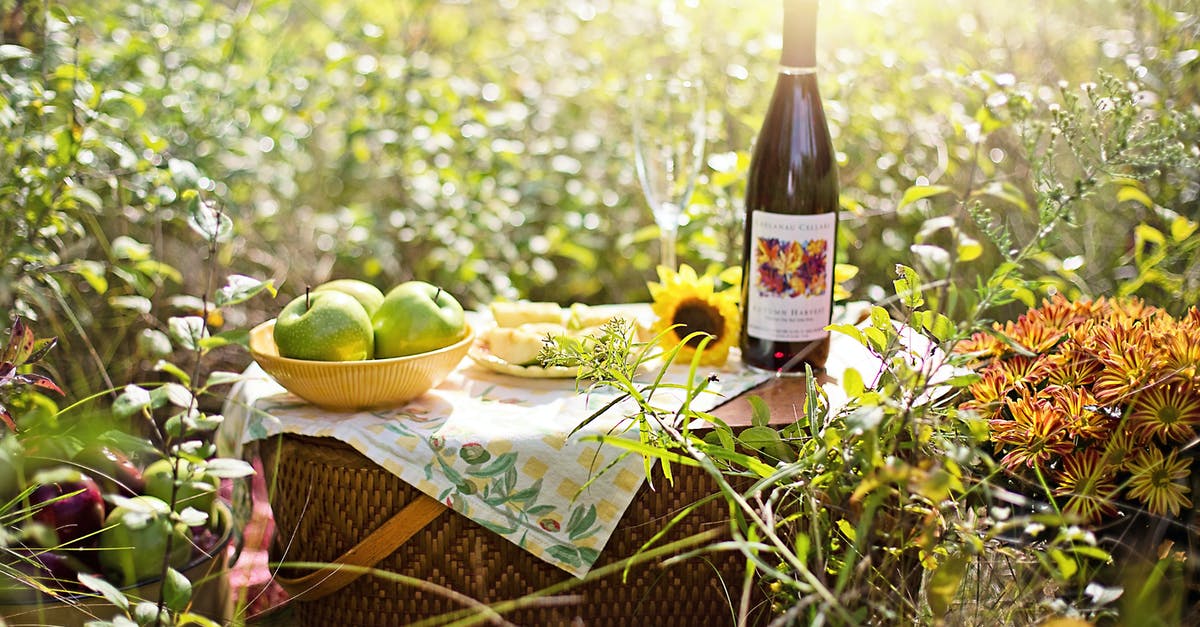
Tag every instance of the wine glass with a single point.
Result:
(668, 138)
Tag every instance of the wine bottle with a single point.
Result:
(791, 215)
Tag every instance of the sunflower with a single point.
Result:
(685, 304)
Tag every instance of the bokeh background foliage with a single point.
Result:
(486, 147)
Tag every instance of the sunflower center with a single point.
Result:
(696, 315)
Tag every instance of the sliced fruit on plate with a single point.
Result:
(510, 314)
(520, 345)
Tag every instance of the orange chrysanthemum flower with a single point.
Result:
(1083, 417)
(1037, 435)
(982, 345)
(1130, 360)
(1103, 405)
(1090, 485)
(1182, 359)
(1168, 413)
(1156, 481)
(1025, 372)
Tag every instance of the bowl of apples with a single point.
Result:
(346, 346)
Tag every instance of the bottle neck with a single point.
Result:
(799, 36)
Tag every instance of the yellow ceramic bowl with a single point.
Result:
(348, 385)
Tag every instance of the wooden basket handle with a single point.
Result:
(379, 544)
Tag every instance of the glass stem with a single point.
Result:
(667, 243)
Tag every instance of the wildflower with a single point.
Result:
(685, 304)
(1155, 481)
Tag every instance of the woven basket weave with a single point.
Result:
(328, 497)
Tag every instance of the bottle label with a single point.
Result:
(791, 276)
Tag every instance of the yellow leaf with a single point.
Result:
(1134, 194)
(943, 584)
(969, 248)
(1182, 228)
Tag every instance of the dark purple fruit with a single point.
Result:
(112, 469)
(52, 569)
(69, 502)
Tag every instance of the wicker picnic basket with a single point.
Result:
(332, 503)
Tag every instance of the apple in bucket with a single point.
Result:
(196, 488)
(135, 537)
(417, 317)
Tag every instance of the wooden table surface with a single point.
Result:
(783, 395)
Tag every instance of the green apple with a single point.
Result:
(134, 540)
(325, 326)
(417, 317)
(197, 488)
(368, 295)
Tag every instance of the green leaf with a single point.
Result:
(566, 554)
(908, 287)
(107, 590)
(205, 219)
(177, 590)
(125, 247)
(847, 529)
(759, 437)
(848, 330)
(165, 366)
(1006, 192)
(222, 377)
(1066, 566)
(131, 400)
(8, 52)
(93, 273)
(240, 288)
(876, 340)
(921, 192)
(943, 584)
(145, 612)
(760, 412)
(232, 337)
(158, 269)
(939, 325)
(84, 196)
(228, 468)
(969, 248)
(140, 304)
(186, 331)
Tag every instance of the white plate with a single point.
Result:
(481, 355)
